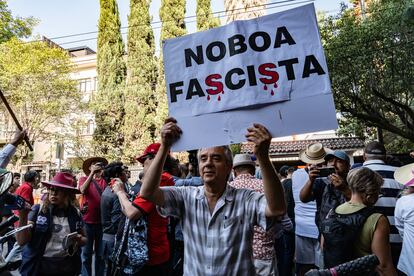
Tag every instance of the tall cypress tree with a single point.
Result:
(172, 13)
(205, 19)
(109, 102)
(140, 106)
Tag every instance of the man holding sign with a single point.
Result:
(217, 219)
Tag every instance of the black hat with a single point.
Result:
(375, 148)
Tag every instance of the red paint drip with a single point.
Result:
(219, 99)
(208, 97)
(265, 87)
(272, 93)
(275, 85)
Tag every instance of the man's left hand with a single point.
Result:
(337, 181)
(261, 138)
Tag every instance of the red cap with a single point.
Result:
(151, 149)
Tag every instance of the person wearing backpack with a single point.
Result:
(92, 186)
(353, 229)
(52, 244)
(157, 240)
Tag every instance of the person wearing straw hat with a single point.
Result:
(92, 186)
(404, 218)
(306, 233)
(52, 244)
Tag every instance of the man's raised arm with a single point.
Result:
(273, 189)
(150, 189)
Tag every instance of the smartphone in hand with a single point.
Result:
(325, 172)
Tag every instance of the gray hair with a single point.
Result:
(364, 180)
(228, 154)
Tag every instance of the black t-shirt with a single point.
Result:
(290, 202)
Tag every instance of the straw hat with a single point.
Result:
(88, 162)
(313, 154)
(405, 175)
(243, 159)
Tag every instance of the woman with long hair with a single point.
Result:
(52, 243)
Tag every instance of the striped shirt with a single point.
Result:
(217, 243)
(389, 194)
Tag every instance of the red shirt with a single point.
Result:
(93, 199)
(25, 190)
(158, 245)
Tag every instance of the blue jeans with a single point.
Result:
(94, 235)
(108, 248)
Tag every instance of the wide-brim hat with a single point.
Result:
(405, 175)
(313, 153)
(243, 159)
(63, 180)
(88, 162)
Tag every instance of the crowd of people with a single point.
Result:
(235, 215)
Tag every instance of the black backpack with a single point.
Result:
(340, 233)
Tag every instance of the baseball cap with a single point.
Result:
(150, 150)
(338, 154)
(375, 147)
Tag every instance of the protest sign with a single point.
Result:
(243, 69)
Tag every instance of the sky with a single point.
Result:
(68, 18)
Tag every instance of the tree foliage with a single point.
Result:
(36, 81)
(11, 26)
(205, 19)
(172, 13)
(371, 65)
(139, 127)
(109, 102)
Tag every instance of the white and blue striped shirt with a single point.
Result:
(390, 191)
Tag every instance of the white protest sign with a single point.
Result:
(274, 73)
(245, 63)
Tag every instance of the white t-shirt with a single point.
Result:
(304, 212)
(404, 221)
(60, 229)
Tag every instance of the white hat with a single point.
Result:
(243, 159)
(313, 153)
(405, 175)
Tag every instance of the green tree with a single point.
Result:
(140, 106)
(11, 26)
(109, 102)
(36, 81)
(205, 19)
(172, 13)
(371, 65)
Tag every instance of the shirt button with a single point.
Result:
(208, 267)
